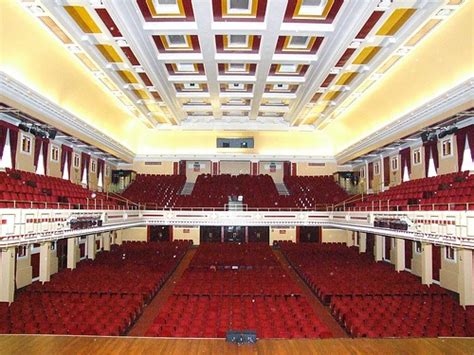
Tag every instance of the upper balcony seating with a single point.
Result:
(21, 189)
(453, 191)
(313, 192)
(213, 191)
(156, 191)
(372, 300)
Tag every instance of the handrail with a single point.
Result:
(376, 206)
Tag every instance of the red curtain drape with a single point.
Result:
(85, 163)
(100, 167)
(39, 143)
(13, 145)
(405, 160)
(45, 155)
(66, 154)
(4, 128)
(3, 139)
(182, 167)
(286, 168)
(431, 149)
(461, 142)
(386, 171)
(371, 174)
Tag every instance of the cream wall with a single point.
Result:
(234, 167)
(277, 176)
(138, 234)
(54, 167)
(53, 261)
(417, 170)
(187, 233)
(279, 234)
(25, 161)
(192, 175)
(166, 168)
(449, 272)
(395, 175)
(304, 169)
(448, 164)
(330, 235)
(416, 261)
(24, 270)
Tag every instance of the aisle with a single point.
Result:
(150, 311)
(321, 311)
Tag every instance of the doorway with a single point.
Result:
(310, 234)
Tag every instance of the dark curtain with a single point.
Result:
(85, 163)
(45, 155)
(461, 142)
(182, 167)
(13, 145)
(386, 171)
(371, 174)
(66, 154)
(286, 168)
(405, 160)
(431, 149)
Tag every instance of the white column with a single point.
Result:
(45, 262)
(398, 254)
(71, 253)
(118, 238)
(426, 263)
(350, 239)
(378, 248)
(106, 240)
(91, 247)
(362, 242)
(7, 274)
(465, 282)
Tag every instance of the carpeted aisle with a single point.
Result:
(322, 312)
(150, 312)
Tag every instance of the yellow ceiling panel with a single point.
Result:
(109, 53)
(366, 55)
(422, 32)
(83, 19)
(388, 64)
(87, 61)
(331, 95)
(346, 78)
(127, 76)
(141, 94)
(49, 22)
(396, 20)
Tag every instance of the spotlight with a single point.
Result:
(447, 131)
(24, 127)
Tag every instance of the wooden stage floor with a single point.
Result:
(47, 344)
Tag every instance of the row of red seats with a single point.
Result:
(213, 316)
(386, 316)
(237, 256)
(231, 286)
(157, 191)
(453, 191)
(236, 282)
(213, 191)
(21, 189)
(101, 297)
(313, 191)
(372, 300)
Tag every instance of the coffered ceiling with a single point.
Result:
(239, 64)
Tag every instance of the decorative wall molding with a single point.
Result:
(18, 92)
(461, 94)
(235, 157)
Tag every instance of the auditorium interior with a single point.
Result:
(236, 176)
